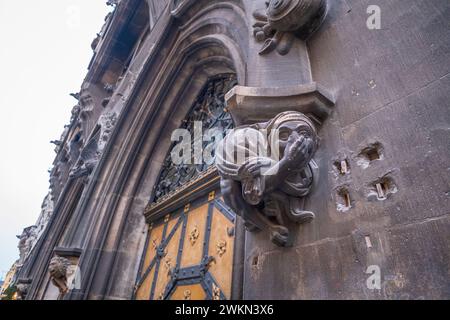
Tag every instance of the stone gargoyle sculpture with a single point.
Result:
(266, 172)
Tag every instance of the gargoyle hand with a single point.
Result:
(255, 169)
(298, 150)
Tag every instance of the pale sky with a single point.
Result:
(44, 53)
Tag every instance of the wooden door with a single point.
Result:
(189, 254)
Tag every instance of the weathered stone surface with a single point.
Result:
(381, 196)
(392, 91)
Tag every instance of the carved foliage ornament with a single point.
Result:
(268, 188)
(193, 235)
(92, 151)
(283, 20)
(221, 247)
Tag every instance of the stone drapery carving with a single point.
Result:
(283, 20)
(266, 189)
(58, 269)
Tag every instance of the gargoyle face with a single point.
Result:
(286, 130)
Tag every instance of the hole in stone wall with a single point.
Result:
(255, 261)
(369, 154)
(368, 242)
(342, 167)
(382, 189)
(344, 201)
(372, 154)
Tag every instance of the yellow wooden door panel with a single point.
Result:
(189, 292)
(143, 293)
(155, 237)
(192, 253)
(203, 268)
(221, 247)
(170, 258)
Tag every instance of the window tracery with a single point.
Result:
(210, 110)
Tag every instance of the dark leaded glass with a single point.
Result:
(209, 108)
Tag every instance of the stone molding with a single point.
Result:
(252, 104)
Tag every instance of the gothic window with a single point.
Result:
(209, 109)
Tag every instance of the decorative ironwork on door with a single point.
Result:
(189, 254)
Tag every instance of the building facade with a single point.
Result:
(358, 207)
(8, 280)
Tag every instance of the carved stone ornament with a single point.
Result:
(92, 151)
(278, 25)
(22, 290)
(266, 171)
(87, 160)
(58, 273)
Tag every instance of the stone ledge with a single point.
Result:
(248, 105)
(68, 252)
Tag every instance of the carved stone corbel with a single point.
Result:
(22, 288)
(283, 20)
(58, 273)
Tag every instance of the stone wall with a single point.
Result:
(392, 97)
